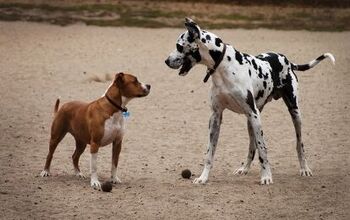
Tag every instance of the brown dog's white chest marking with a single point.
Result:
(113, 129)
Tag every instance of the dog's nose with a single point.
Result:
(167, 62)
(148, 86)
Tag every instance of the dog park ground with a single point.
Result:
(167, 131)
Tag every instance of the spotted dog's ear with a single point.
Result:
(193, 28)
(119, 79)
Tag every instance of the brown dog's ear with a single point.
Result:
(119, 79)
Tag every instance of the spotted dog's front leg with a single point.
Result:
(245, 167)
(253, 116)
(214, 130)
(266, 176)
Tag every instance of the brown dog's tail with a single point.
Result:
(56, 106)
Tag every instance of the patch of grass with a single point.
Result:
(46, 7)
(236, 16)
(300, 14)
(129, 22)
(149, 15)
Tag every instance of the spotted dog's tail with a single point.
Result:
(313, 63)
(56, 106)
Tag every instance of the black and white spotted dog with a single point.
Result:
(243, 84)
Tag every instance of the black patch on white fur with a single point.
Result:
(245, 56)
(260, 73)
(254, 64)
(289, 97)
(196, 55)
(261, 160)
(215, 55)
(239, 57)
(208, 37)
(179, 48)
(252, 152)
(250, 101)
(218, 41)
(276, 66)
(265, 84)
(203, 40)
(228, 58)
(321, 57)
(260, 94)
(190, 38)
(286, 61)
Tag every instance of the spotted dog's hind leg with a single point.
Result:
(290, 97)
(244, 168)
(214, 130)
(304, 168)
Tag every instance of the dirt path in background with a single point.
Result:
(167, 131)
(171, 14)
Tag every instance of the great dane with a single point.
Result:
(243, 84)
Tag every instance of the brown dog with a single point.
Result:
(98, 123)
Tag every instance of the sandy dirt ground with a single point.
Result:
(167, 131)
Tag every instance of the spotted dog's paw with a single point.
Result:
(45, 173)
(115, 180)
(266, 177)
(200, 180)
(242, 170)
(305, 171)
(266, 180)
(95, 184)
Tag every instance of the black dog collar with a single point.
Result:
(212, 71)
(116, 105)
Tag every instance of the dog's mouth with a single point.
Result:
(143, 95)
(186, 66)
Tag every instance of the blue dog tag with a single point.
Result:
(126, 114)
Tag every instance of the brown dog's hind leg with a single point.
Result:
(58, 132)
(80, 147)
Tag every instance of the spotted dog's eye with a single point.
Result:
(179, 48)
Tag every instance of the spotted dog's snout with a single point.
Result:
(167, 62)
(173, 63)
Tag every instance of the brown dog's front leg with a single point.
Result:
(117, 146)
(93, 166)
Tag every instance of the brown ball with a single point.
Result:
(186, 174)
(106, 186)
